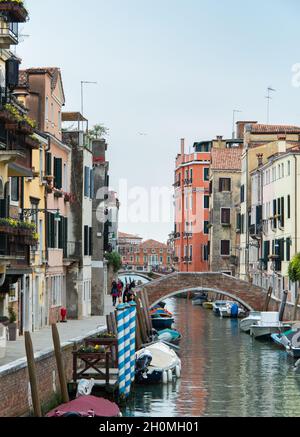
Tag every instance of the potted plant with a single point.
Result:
(12, 326)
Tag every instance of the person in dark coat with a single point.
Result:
(126, 294)
(114, 292)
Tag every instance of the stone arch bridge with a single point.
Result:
(150, 276)
(251, 297)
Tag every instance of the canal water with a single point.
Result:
(224, 373)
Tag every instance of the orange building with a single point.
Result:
(191, 232)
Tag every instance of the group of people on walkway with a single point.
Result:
(122, 293)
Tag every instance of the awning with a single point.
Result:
(19, 171)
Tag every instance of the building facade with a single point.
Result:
(274, 220)
(225, 180)
(79, 246)
(262, 140)
(192, 208)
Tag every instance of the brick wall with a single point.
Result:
(14, 382)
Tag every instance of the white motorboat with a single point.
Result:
(220, 304)
(267, 325)
(252, 319)
(231, 310)
(157, 363)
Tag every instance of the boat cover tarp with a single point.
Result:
(101, 407)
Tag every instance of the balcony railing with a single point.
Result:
(9, 34)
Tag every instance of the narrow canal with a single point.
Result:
(224, 373)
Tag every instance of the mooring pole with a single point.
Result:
(127, 350)
(282, 306)
(32, 376)
(60, 365)
(121, 348)
(132, 330)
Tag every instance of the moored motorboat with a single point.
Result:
(161, 323)
(218, 304)
(170, 336)
(291, 341)
(199, 299)
(268, 324)
(252, 319)
(208, 305)
(86, 406)
(231, 310)
(157, 363)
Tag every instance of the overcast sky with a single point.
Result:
(168, 69)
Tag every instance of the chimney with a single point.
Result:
(182, 147)
(260, 159)
(240, 127)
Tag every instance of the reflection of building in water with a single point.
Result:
(191, 322)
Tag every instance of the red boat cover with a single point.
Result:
(86, 406)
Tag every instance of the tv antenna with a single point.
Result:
(268, 97)
(22, 37)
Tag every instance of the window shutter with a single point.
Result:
(58, 173)
(86, 182)
(92, 188)
(90, 242)
(282, 212)
(220, 185)
(48, 164)
(86, 241)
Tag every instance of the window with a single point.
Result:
(15, 189)
(48, 164)
(242, 193)
(58, 173)
(191, 253)
(205, 253)
(86, 241)
(90, 241)
(191, 202)
(289, 168)
(86, 182)
(225, 216)
(206, 229)
(47, 109)
(282, 170)
(65, 181)
(242, 223)
(238, 222)
(191, 175)
(225, 247)
(206, 202)
(289, 207)
(206, 174)
(224, 184)
(52, 113)
(92, 188)
(288, 249)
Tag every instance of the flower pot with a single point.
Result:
(12, 332)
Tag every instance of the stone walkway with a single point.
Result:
(42, 340)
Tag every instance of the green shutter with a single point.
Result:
(48, 164)
(58, 173)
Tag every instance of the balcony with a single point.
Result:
(14, 11)
(9, 34)
(188, 234)
(255, 231)
(188, 181)
(177, 184)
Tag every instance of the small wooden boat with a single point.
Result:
(208, 305)
(156, 364)
(87, 406)
(291, 341)
(252, 319)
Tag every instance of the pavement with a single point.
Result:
(69, 332)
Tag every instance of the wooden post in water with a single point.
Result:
(296, 305)
(283, 304)
(268, 299)
(60, 365)
(32, 376)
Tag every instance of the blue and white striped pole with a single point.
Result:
(132, 328)
(127, 351)
(121, 347)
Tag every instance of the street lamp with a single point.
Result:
(82, 83)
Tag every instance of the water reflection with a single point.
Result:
(224, 373)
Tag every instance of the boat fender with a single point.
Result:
(165, 377)
(170, 375)
(178, 372)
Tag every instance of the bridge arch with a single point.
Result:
(249, 296)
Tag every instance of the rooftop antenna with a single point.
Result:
(235, 111)
(268, 97)
(22, 37)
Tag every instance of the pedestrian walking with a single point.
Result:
(114, 292)
(120, 286)
(126, 294)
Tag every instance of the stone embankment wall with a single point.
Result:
(15, 395)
